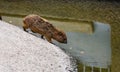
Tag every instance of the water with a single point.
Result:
(92, 48)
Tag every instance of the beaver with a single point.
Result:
(40, 25)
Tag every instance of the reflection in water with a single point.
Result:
(91, 49)
(83, 26)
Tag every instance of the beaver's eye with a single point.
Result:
(60, 33)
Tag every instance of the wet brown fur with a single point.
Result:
(40, 25)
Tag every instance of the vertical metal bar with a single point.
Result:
(100, 69)
(92, 69)
(108, 69)
(84, 68)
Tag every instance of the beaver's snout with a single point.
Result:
(65, 41)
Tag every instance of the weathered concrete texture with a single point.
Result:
(23, 52)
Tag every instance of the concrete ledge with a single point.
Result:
(23, 52)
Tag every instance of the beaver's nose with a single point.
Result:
(65, 41)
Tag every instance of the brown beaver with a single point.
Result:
(40, 25)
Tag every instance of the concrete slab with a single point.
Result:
(23, 52)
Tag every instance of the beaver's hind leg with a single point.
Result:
(33, 31)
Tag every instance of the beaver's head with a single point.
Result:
(61, 37)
